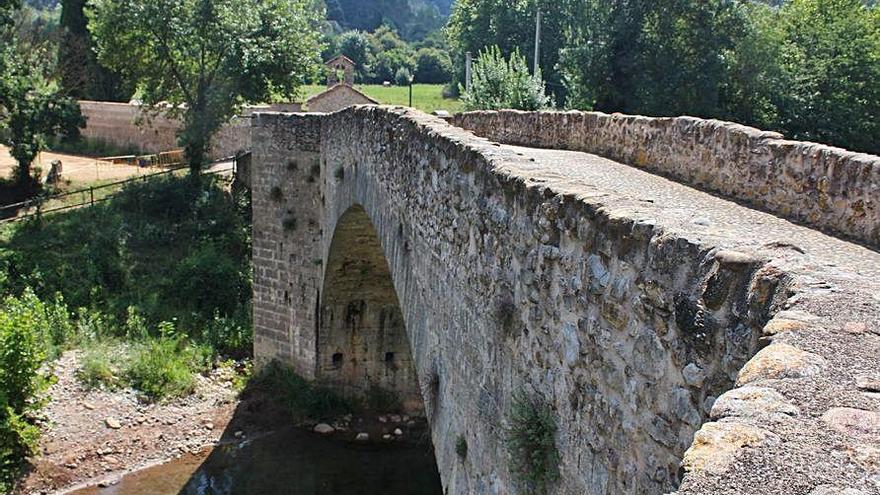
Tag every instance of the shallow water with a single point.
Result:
(292, 462)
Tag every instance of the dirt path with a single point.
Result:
(78, 170)
(94, 436)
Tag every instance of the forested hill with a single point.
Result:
(412, 18)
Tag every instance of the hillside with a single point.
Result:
(412, 18)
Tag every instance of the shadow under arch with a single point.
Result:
(363, 350)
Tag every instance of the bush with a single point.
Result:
(27, 329)
(501, 84)
(532, 444)
(301, 399)
(165, 367)
(103, 365)
(433, 66)
(164, 248)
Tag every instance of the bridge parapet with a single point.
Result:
(662, 326)
(829, 188)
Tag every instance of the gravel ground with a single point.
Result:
(93, 436)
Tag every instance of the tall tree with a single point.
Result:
(81, 74)
(831, 57)
(33, 110)
(650, 56)
(202, 60)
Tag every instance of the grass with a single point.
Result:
(426, 97)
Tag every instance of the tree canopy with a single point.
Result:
(203, 59)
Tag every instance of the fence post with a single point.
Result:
(92, 195)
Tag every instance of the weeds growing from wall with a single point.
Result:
(461, 448)
(531, 443)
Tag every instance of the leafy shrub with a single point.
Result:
(433, 66)
(498, 83)
(531, 443)
(27, 329)
(165, 367)
(103, 365)
(229, 336)
(301, 399)
(208, 282)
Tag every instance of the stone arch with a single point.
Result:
(362, 344)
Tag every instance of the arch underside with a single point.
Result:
(363, 348)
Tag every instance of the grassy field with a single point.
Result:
(426, 97)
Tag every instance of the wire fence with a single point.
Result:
(52, 203)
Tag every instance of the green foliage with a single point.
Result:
(27, 329)
(162, 250)
(433, 66)
(388, 63)
(461, 447)
(82, 76)
(414, 18)
(476, 25)
(102, 365)
(831, 68)
(499, 83)
(165, 367)
(531, 443)
(32, 110)
(356, 46)
(201, 60)
(301, 399)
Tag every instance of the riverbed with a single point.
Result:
(294, 462)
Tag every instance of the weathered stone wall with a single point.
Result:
(626, 331)
(829, 188)
(127, 126)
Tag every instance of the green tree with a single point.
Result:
(32, 110)
(388, 63)
(202, 60)
(356, 46)
(657, 57)
(499, 83)
(81, 74)
(433, 66)
(831, 59)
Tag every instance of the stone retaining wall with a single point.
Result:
(127, 126)
(829, 188)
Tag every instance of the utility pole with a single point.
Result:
(468, 66)
(537, 66)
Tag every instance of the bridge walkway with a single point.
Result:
(688, 212)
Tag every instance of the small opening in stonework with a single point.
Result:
(389, 358)
(337, 360)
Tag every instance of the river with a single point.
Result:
(292, 462)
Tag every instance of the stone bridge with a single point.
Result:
(680, 293)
